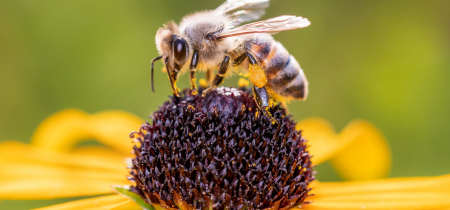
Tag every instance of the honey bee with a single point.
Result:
(214, 40)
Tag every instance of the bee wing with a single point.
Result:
(273, 25)
(241, 11)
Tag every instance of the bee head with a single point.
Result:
(174, 49)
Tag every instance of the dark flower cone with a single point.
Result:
(220, 152)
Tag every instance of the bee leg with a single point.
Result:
(209, 76)
(257, 74)
(173, 79)
(193, 66)
(218, 79)
(262, 100)
(192, 82)
(153, 61)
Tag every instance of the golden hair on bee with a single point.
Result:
(163, 38)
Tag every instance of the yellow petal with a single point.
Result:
(128, 205)
(53, 187)
(64, 130)
(113, 128)
(17, 152)
(33, 171)
(103, 202)
(322, 139)
(359, 152)
(367, 156)
(395, 193)
(99, 152)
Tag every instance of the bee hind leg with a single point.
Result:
(218, 79)
(262, 100)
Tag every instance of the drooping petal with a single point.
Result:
(113, 128)
(359, 152)
(323, 141)
(64, 130)
(366, 157)
(394, 193)
(104, 202)
(17, 152)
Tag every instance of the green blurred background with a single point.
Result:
(381, 60)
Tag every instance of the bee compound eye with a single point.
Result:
(180, 50)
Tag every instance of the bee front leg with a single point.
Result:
(193, 67)
(218, 79)
(262, 100)
(173, 78)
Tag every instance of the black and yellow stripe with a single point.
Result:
(284, 74)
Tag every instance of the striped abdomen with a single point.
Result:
(285, 77)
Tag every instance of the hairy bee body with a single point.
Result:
(214, 40)
(284, 75)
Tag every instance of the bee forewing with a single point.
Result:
(243, 16)
(273, 25)
(242, 10)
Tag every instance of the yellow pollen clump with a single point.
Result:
(243, 82)
(273, 121)
(257, 75)
(193, 83)
(175, 87)
(272, 103)
(203, 83)
(193, 87)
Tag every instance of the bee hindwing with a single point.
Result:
(241, 11)
(273, 25)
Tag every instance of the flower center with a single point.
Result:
(215, 152)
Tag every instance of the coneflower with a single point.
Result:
(220, 152)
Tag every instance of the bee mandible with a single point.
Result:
(214, 40)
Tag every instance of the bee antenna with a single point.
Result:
(153, 61)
